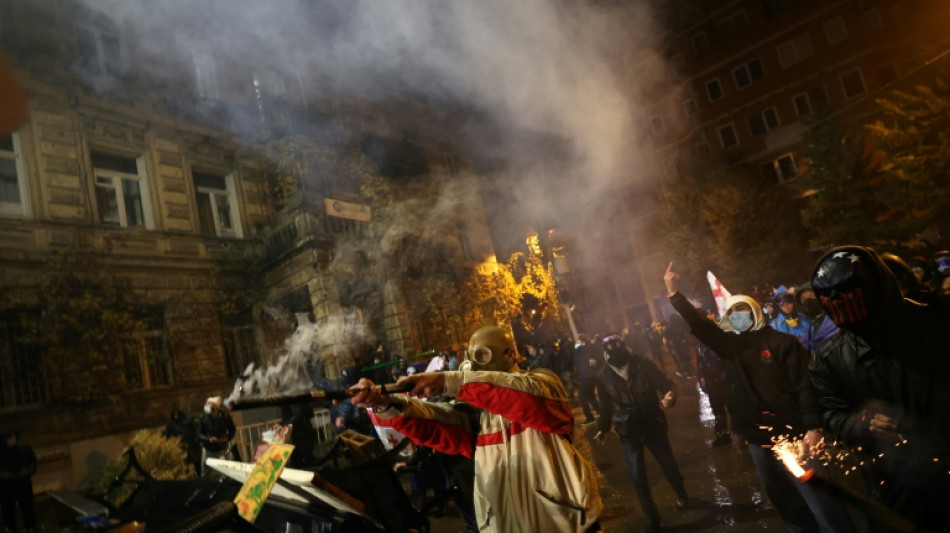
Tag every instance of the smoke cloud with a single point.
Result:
(549, 84)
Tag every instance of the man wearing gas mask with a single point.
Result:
(528, 476)
(631, 387)
(881, 382)
(770, 397)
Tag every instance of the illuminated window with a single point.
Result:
(13, 186)
(122, 194)
(217, 205)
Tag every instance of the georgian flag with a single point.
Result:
(719, 292)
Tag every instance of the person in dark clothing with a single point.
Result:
(881, 383)
(911, 286)
(586, 365)
(715, 383)
(303, 436)
(343, 413)
(630, 388)
(17, 466)
(770, 395)
(821, 327)
(183, 426)
(215, 431)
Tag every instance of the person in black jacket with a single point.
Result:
(881, 382)
(215, 432)
(17, 466)
(770, 396)
(586, 365)
(630, 387)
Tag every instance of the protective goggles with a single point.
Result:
(481, 355)
(943, 265)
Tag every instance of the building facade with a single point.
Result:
(135, 175)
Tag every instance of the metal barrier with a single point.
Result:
(249, 437)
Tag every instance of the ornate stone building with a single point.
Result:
(131, 171)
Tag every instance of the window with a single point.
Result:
(810, 102)
(657, 125)
(701, 44)
(100, 50)
(853, 83)
(733, 26)
(240, 343)
(781, 169)
(13, 187)
(206, 78)
(748, 74)
(762, 122)
(727, 136)
(714, 89)
(121, 191)
(836, 31)
(217, 205)
(871, 20)
(148, 363)
(22, 381)
(794, 50)
(690, 107)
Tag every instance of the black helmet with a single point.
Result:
(854, 286)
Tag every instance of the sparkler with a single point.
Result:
(789, 451)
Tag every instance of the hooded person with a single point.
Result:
(633, 393)
(788, 319)
(770, 396)
(516, 426)
(882, 381)
(822, 327)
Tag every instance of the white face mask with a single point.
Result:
(208, 409)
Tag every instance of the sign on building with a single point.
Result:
(339, 208)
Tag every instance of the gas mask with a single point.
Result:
(489, 349)
(615, 352)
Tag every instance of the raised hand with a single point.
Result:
(670, 279)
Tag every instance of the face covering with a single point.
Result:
(812, 307)
(208, 409)
(741, 320)
(617, 356)
(846, 308)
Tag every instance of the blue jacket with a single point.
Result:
(782, 323)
